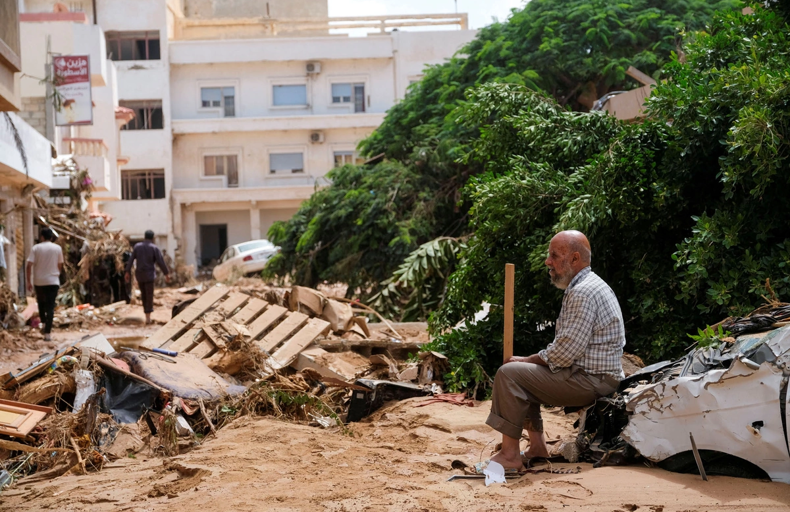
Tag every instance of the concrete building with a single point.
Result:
(25, 155)
(242, 106)
(263, 107)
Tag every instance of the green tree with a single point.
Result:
(573, 51)
(685, 212)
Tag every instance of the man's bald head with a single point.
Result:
(575, 241)
(569, 253)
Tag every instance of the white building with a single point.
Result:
(242, 107)
(20, 177)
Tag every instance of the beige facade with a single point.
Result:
(242, 106)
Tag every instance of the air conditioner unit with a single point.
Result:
(313, 68)
(317, 137)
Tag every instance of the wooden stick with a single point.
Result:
(80, 461)
(510, 281)
(205, 416)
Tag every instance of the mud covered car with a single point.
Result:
(246, 258)
(732, 398)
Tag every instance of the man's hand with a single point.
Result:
(534, 359)
(167, 278)
(127, 277)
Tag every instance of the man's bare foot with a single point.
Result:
(534, 453)
(507, 462)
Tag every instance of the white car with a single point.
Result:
(248, 257)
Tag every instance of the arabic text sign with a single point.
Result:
(73, 79)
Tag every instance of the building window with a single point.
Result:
(283, 95)
(223, 98)
(349, 93)
(144, 184)
(147, 115)
(222, 165)
(286, 163)
(347, 157)
(133, 45)
(76, 7)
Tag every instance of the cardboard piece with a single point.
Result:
(306, 300)
(339, 315)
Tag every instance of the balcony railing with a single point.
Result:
(86, 147)
(242, 28)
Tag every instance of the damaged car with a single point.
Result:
(727, 402)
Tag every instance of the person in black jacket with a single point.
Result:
(148, 257)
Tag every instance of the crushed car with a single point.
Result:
(728, 402)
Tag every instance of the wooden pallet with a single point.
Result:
(278, 332)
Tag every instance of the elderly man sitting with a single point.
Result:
(579, 366)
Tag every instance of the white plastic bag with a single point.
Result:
(86, 386)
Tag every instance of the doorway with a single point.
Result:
(213, 242)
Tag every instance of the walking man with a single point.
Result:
(581, 365)
(45, 264)
(148, 256)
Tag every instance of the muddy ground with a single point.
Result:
(396, 460)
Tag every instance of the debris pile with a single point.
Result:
(224, 354)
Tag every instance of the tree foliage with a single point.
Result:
(361, 228)
(685, 212)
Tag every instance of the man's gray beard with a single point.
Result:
(562, 282)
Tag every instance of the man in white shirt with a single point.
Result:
(45, 264)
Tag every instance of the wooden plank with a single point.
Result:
(234, 300)
(214, 336)
(180, 322)
(265, 321)
(286, 354)
(292, 322)
(205, 348)
(187, 340)
(248, 312)
(510, 278)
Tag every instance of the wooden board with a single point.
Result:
(248, 312)
(187, 340)
(215, 337)
(234, 300)
(180, 322)
(292, 322)
(205, 348)
(17, 419)
(266, 320)
(286, 354)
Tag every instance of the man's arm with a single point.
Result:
(60, 261)
(160, 261)
(573, 334)
(534, 359)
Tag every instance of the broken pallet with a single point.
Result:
(278, 332)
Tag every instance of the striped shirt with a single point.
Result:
(589, 331)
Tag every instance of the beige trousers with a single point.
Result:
(521, 388)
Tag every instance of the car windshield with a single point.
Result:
(257, 244)
(228, 254)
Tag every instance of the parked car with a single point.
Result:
(247, 258)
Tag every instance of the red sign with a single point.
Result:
(72, 90)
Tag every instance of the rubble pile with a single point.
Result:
(224, 354)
